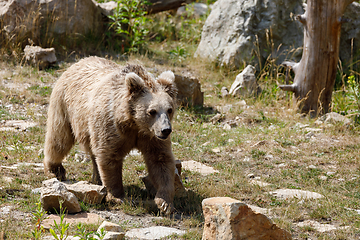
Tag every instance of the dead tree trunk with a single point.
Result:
(315, 73)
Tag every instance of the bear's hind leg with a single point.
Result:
(58, 142)
(96, 175)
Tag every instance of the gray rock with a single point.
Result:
(217, 118)
(150, 233)
(27, 19)
(245, 83)
(233, 27)
(198, 167)
(83, 190)
(224, 92)
(38, 56)
(228, 218)
(20, 125)
(335, 118)
(319, 226)
(291, 193)
(50, 197)
(107, 8)
(195, 9)
(87, 192)
(110, 227)
(114, 236)
(82, 157)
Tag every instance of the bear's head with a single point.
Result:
(152, 102)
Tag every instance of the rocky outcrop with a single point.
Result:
(242, 31)
(40, 20)
(234, 26)
(227, 218)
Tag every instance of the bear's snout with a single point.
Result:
(164, 127)
(166, 131)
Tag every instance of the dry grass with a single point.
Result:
(266, 142)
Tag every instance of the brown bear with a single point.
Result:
(110, 110)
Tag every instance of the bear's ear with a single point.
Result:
(134, 83)
(167, 79)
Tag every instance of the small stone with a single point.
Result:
(217, 118)
(82, 157)
(216, 150)
(247, 159)
(110, 227)
(335, 118)
(309, 135)
(198, 167)
(330, 173)
(269, 157)
(291, 193)
(313, 130)
(250, 175)
(324, 178)
(7, 179)
(281, 165)
(42, 57)
(245, 83)
(36, 191)
(241, 103)
(152, 233)
(114, 236)
(259, 183)
(227, 126)
(312, 167)
(318, 226)
(224, 92)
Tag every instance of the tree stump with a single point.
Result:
(316, 72)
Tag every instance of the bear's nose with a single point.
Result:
(165, 131)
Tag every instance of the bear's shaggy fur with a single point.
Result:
(109, 110)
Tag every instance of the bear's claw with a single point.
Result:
(164, 207)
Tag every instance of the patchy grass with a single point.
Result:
(265, 142)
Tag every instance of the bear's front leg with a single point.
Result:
(161, 167)
(110, 170)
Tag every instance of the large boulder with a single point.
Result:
(39, 20)
(229, 219)
(239, 32)
(235, 29)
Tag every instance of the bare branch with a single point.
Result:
(164, 5)
(289, 88)
(301, 18)
(289, 63)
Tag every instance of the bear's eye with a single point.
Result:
(170, 110)
(152, 112)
